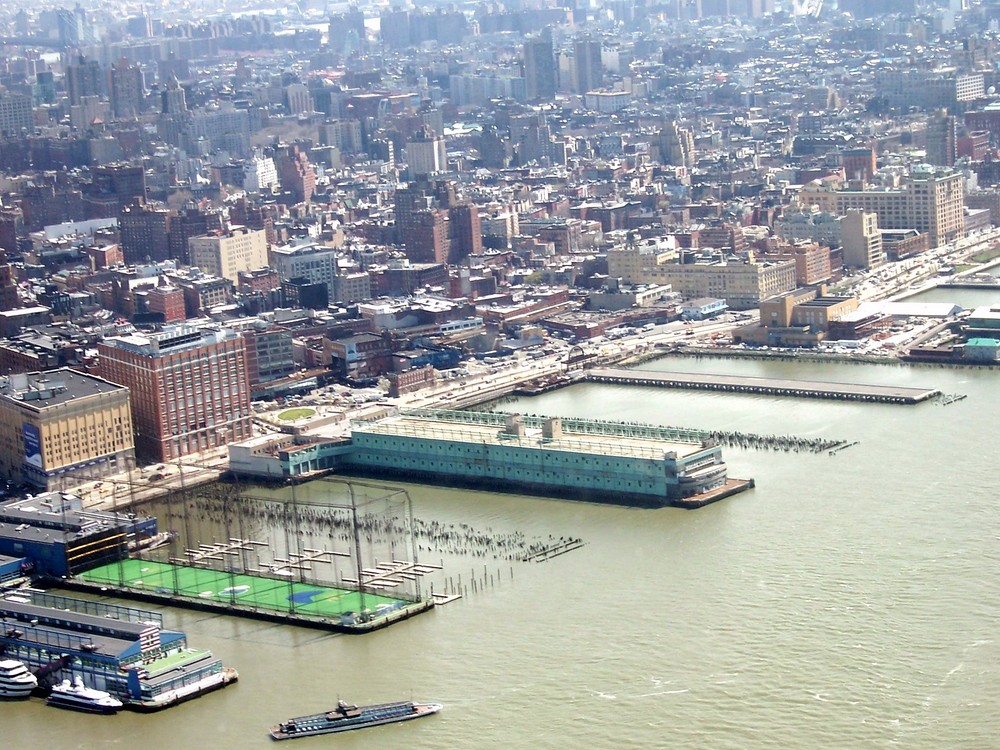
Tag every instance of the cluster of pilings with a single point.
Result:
(787, 443)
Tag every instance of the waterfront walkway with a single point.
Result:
(765, 386)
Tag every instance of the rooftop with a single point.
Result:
(176, 338)
(39, 390)
(604, 438)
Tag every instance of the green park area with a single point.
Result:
(299, 412)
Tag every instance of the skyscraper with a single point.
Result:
(189, 222)
(539, 69)
(587, 67)
(173, 99)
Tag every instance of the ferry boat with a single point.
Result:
(78, 696)
(346, 717)
(15, 679)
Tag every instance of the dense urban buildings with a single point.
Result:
(519, 165)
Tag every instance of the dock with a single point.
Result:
(969, 285)
(342, 608)
(763, 386)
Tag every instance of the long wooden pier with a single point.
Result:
(765, 386)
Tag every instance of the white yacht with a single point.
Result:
(15, 680)
(78, 696)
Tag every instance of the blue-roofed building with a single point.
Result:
(59, 538)
(122, 650)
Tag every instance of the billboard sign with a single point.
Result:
(32, 445)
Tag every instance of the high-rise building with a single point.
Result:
(259, 174)
(113, 187)
(189, 387)
(421, 225)
(587, 67)
(226, 253)
(465, 234)
(426, 154)
(942, 139)
(316, 263)
(539, 69)
(15, 114)
(344, 134)
(127, 90)
(930, 200)
(84, 78)
(61, 427)
(297, 99)
(676, 145)
(860, 239)
(346, 32)
(296, 173)
(173, 100)
(143, 231)
(190, 222)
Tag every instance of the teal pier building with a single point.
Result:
(600, 461)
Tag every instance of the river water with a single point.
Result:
(849, 601)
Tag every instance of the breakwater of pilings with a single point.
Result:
(950, 398)
(462, 539)
(838, 448)
(787, 443)
(725, 438)
(394, 532)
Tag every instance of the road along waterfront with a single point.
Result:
(847, 601)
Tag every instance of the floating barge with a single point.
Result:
(764, 386)
(345, 717)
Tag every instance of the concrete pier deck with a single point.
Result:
(767, 386)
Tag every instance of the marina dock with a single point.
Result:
(763, 386)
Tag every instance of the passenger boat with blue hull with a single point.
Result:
(79, 697)
(346, 717)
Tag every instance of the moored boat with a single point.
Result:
(15, 680)
(347, 717)
(79, 697)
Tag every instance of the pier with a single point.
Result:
(968, 283)
(763, 386)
